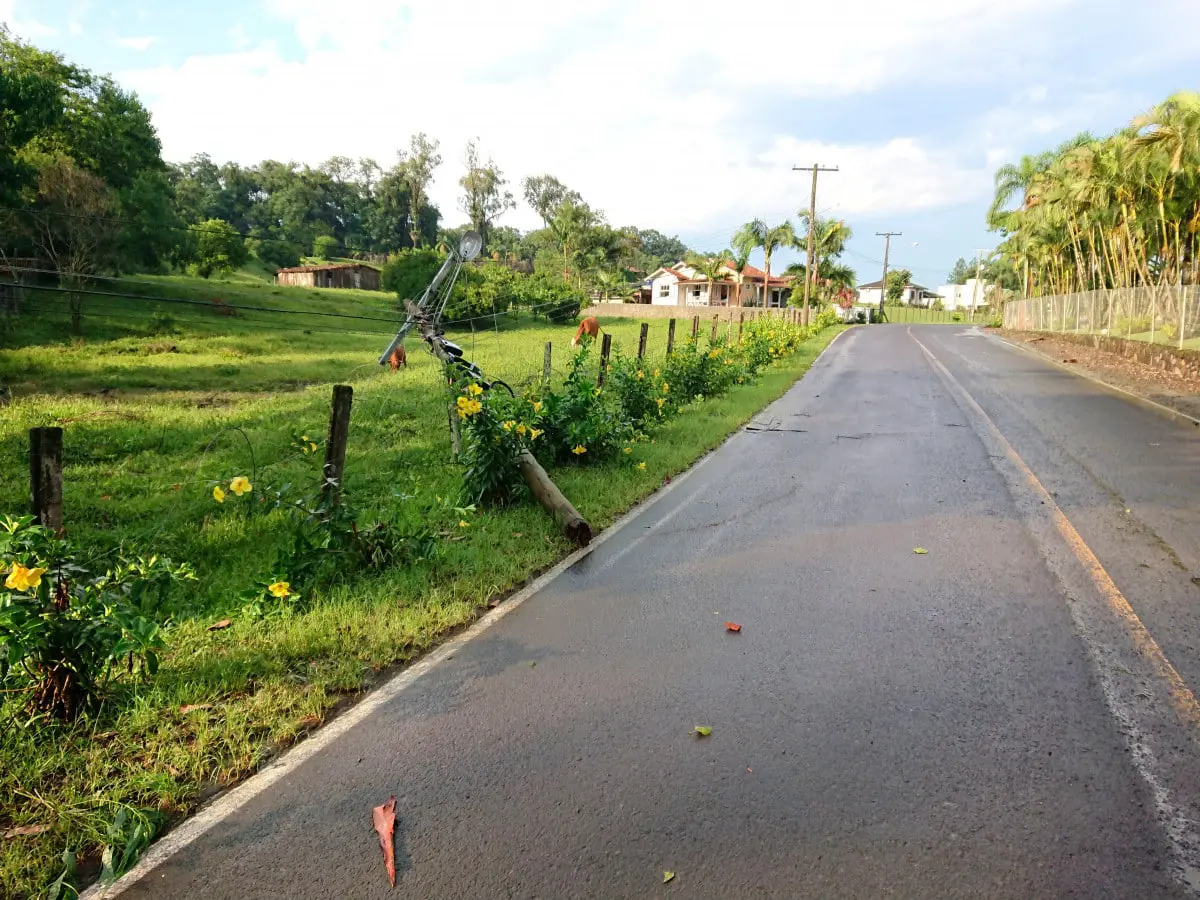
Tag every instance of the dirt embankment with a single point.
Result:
(1167, 376)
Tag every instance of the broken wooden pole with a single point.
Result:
(695, 328)
(605, 349)
(45, 476)
(455, 432)
(335, 443)
(642, 340)
(573, 525)
(670, 336)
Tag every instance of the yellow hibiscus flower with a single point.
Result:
(23, 579)
(280, 589)
(241, 485)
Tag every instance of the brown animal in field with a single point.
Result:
(589, 326)
(398, 359)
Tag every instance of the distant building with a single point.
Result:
(682, 285)
(974, 292)
(913, 294)
(332, 275)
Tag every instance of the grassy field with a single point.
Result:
(915, 315)
(155, 411)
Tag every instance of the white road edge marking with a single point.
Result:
(1135, 711)
(228, 803)
(1088, 376)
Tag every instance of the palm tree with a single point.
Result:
(757, 235)
(712, 268)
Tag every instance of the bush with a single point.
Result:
(938, 305)
(583, 422)
(409, 272)
(62, 629)
(956, 316)
(496, 429)
(325, 246)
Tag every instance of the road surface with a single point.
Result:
(983, 720)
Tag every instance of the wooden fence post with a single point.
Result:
(741, 322)
(335, 443)
(642, 340)
(605, 349)
(716, 321)
(695, 328)
(670, 336)
(546, 364)
(45, 476)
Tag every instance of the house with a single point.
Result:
(332, 275)
(682, 285)
(972, 293)
(913, 294)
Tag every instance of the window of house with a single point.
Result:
(664, 290)
(696, 292)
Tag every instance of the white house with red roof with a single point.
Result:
(682, 285)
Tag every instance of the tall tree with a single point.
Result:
(416, 169)
(960, 273)
(757, 235)
(484, 196)
(545, 193)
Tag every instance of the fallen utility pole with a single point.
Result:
(573, 525)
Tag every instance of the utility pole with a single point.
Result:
(887, 246)
(978, 276)
(816, 169)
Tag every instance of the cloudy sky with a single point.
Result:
(681, 115)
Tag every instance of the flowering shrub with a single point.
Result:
(583, 422)
(496, 430)
(62, 629)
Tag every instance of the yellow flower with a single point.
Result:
(656, 372)
(468, 407)
(666, 388)
(474, 389)
(508, 426)
(628, 449)
(579, 450)
(23, 579)
(304, 437)
(641, 375)
(218, 494)
(280, 589)
(596, 392)
(314, 447)
(521, 429)
(463, 523)
(537, 405)
(535, 433)
(241, 485)
(660, 401)
(641, 467)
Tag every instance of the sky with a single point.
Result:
(682, 115)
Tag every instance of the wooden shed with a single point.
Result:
(332, 275)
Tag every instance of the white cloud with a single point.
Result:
(140, 44)
(684, 115)
(23, 27)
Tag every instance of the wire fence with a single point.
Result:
(1165, 315)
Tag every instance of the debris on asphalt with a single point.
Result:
(733, 626)
(384, 819)
(920, 551)
(703, 730)
(668, 876)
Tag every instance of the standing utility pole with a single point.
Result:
(978, 277)
(816, 169)
(887, 246)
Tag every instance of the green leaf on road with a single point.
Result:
(920, 551)
(668, 876)
(703, 730)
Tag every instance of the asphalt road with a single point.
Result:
(976, 721)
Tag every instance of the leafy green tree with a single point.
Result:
(217, 247)
(416, 169)
(897, 281)
(961, 272)
(325, 246)
(713, 267)
(545, 194)
(660, 250)
(409, 272)
(484, 196)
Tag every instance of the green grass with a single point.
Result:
(139, 464)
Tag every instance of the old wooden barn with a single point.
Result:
(331, 275)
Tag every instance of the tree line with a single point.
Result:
(85, 191)
(1120, 211)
